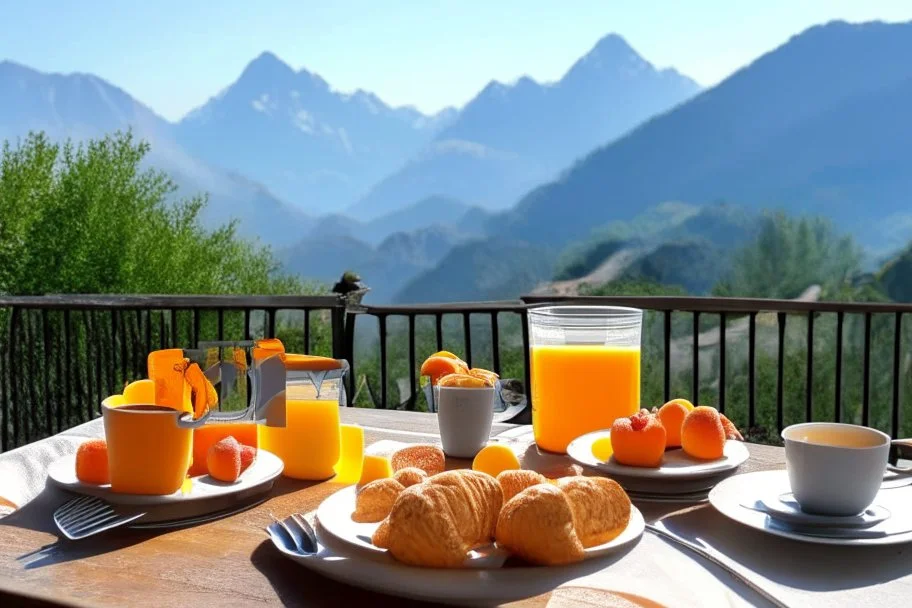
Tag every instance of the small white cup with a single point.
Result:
(834, 468)
(464, 416)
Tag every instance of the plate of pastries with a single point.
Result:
(495, 515)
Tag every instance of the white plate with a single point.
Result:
(263, 471)
(676, 464)
(729, 496)
(334, 515)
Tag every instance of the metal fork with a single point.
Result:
(294, 533)
(89, 515)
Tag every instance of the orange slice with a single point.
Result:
(166, 370)
(464, 381)
(438, 367)
(203, 393)
(310, 363)
(494, 459)
(267, 348)
(139, 392)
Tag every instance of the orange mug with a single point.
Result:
(149, 447)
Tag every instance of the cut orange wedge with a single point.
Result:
(166, 370)
(204, 395)
(464, 381)
(437, 367)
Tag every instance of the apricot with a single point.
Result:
(224, 460)
(373, 468)
(684, 402)
(248, 455)
(437, 367)
(464, 381)
(671, 415)
(92, 462)
(702, 434)
(731, 431)
(494, 459)
(638, 441)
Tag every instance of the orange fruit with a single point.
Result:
(203, 394)
(731, 431)
(139, 392)
(484, 374)
(248, 455)
(448, 355)
(671, 415)
(224, 460)
(702, 434)
(92, 462)
(684, 402)
(437, 367)
(464, 381)
(638, 441)
(494, 459)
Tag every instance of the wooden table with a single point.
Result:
(228, 562)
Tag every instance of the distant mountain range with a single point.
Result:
(510, 138)
(820, 124)
(316, 148)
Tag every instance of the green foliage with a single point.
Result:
(788, 256)
(89, 219)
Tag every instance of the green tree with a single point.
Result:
(90, 219)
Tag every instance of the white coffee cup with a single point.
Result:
(464, 416)
(834, 468)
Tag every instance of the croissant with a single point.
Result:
(374, 501)
(514, 481)
(410, 476)
(437, 522)
(553, 524)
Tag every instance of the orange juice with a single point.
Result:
(580, 388)
(205, 436)
(309, 443)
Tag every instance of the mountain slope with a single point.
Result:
(815, 125)
(511, 137)
(82, 106)
(315, 147)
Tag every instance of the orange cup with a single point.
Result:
(149, 448)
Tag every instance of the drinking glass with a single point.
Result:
(585, 370)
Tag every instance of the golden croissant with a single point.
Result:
(437, 522)
(553, 524)
(374, 501)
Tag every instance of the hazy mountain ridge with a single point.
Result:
(510, 138)
(794, 129)
(314, 146)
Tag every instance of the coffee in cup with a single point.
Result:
(834, 468)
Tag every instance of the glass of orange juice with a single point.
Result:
(585, 370)
(312, 443)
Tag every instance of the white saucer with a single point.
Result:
(730, 496)
(785, 508)
(334, 515)
(676, 465)
(258, 478)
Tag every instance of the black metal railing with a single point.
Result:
(765, 363)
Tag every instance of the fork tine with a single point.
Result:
(88, 510)
(89, 515)
(74, 505)
(307, 529)
(295, 538)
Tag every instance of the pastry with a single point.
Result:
(409, 476)
(514, 481)
(428, 458)
(437, 522)
(552, 524)
(374, 501)
(537, 525)
(601, 508)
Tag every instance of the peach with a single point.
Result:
(702, 434)
(671, 415)
(224, 460)
(638, 441)
(92, 462)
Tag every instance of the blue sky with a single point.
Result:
(174, 55)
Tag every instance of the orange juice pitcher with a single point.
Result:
(585, 370)
(311, 443)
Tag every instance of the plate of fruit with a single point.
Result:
(677, 441)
